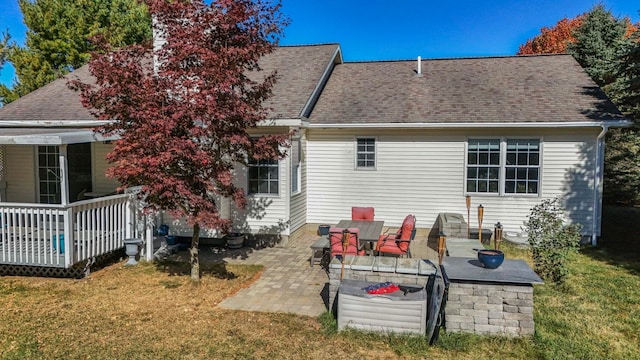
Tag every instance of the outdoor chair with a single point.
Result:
(362, 213)
(398, 243)
(335, 242)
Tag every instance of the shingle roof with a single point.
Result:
(299, 71)
(548, 88)
(54, 101)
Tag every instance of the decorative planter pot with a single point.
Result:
(323, 229)
(235, 240)
(491, 259)
(132, 248)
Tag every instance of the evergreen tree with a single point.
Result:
(629, 77)
(59, 37)
(622, 156)
(597, 43)
(607, 48)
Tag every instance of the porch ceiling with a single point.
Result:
(43, 136)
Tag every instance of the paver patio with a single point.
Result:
(288, 284)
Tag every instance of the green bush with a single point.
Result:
(552, 242)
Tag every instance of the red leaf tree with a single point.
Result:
(183, 118)
(553, 40)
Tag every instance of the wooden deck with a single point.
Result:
(63, 236)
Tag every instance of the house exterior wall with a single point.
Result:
(264, 214)
(20, 174)
(423, 172)
(101, 183)
(298, 207)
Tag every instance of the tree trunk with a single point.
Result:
(195, 258)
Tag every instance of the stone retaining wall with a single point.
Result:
(494, 309)
(477, 306)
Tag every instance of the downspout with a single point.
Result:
(597, 188)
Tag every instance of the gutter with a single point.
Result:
(598, 186)
(418, 125)
(50, 123)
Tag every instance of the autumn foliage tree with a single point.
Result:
(183, 123)
(558, 38)
(553, 40)
(607, 48)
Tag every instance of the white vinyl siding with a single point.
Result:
(422, 172)
(295, 160)
(101, 183)
(264, 213)
(298, 202)
(20, 173)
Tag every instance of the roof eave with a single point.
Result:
(58, 138)
(51, 123)
(293, 122)
(418, 125)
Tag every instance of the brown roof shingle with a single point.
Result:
(549, 88)
(52, 102)
(299, 71)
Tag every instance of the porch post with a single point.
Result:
(69, 240)
(3, 183)
(148, 226)
(64, 175)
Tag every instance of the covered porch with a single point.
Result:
(46, 219)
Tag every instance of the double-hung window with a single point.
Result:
(522, 168)
(503, 166)
(263, 176)
(366, 153)
(48, 175)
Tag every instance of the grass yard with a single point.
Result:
(153, 311)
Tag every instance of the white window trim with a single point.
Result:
(375, 154)
(298, 169)
(503, 172)
(50, 170)
(270, 195)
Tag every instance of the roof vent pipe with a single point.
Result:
(419, 65)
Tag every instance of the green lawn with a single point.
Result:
(154, 312)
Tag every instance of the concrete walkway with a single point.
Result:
(288, 284)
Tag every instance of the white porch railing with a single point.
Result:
(61, 236)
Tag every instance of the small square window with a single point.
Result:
(366, 153)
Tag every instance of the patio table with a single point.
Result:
(369, 231)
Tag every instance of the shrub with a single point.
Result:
(552, 242)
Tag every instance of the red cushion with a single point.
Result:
(362, 213)
(385, 238)
(407, 227)
(392, 248)
(335, 241)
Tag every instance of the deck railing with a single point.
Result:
(61, 236)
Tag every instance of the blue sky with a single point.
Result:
(405, 29)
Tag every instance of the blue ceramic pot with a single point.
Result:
(491, 259)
